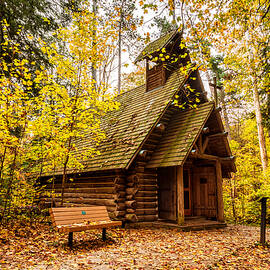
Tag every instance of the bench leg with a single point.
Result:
(70, 239)
(104, 234)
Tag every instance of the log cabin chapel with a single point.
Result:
(165, 151)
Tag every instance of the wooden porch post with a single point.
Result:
(220, 206)
(180, 196)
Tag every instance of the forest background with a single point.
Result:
(63, 61)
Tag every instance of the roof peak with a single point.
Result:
(158, 44)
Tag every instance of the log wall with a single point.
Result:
(142, 184)
(142, 194)
(106, 188)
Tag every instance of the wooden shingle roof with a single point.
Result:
(127, 128)
(157, 44)
(180, 135)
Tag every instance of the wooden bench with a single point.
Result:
(77, 219)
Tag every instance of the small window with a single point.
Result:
(203, 181)
(186, 179)
(186, 200)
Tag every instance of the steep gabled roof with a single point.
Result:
(157, 44)
(127, 128)
(180, 135)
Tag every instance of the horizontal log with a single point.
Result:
(156, 136)
(140, 164)
(131, 191)
(131, 217)
(142, 154)
(119, 187)
(148, 187)
(119, 200)
(119, 195)
(120, 206)
(147, 204)
(146, 199)
(81, 185)
(148, 218)
(130, 210)
(105, 202)
(137, 170)
(133, 178)
(205, 130)
(147, 175)
(144, 211)
(99, 190)
(160, 127)
(151, 182)
(119, 213)
(129, 197)
(147, 193)
(86, 195)
(149, 146)
(111, 208)
(118, 180)
(131, 204)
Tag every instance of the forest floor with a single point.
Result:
(24, 246)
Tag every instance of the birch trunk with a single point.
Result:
(119, 53)
(93, 68)
(224, 110)
(261, 137)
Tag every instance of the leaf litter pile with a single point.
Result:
(24, 246)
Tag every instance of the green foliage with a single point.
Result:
(163, 25)
(36, 19)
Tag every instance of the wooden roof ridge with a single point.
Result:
(177, 141)
(157, 44)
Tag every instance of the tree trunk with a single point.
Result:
(224, 110)
(232, 187)
(268, 114)
(65, 169)
(174, 15)
(119, 53)
(261, 137)
(93, 68)
(2, 165)
(9, 187)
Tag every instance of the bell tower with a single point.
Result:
(162, 57)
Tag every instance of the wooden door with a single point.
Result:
(204, 192)
(187, 192)
(167, 193)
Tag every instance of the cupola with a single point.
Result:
(162, 57)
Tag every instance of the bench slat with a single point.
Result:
(71, 221)
(87, 216)
(87, 227)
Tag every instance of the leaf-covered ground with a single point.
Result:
(40, 247)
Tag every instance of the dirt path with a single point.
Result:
(148, 248)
